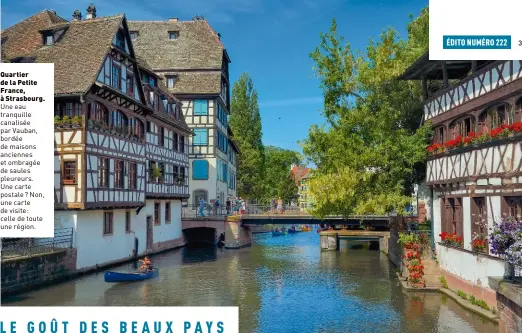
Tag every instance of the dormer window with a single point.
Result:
(49, 40)
(171, 80)
(51, 37)
(173, 34)
(134, 35)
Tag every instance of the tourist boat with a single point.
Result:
(293, 231)
(131, 276)
(306, 229)
(278, 233)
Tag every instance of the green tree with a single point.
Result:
(279, 181)
(245, 122)
(373, 150)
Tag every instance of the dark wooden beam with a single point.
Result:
(445, 74)
(424, 88)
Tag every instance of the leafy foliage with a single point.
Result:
(279, 180)
(372, 150)
(245, 122)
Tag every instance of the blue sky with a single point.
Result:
(269, 39)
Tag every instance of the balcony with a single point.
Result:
(492, 78)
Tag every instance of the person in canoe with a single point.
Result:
(146, 265)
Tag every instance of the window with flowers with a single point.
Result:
(461, 127)
(496, 116)
(452, 221)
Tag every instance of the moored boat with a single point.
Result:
(112, 277)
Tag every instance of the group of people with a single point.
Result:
(237, 205)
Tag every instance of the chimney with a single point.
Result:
(173, 19)
(77, 15)
(91, 12)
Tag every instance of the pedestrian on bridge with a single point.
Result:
(243, 206)
(201, 206)
(228, 204)
(217, 207)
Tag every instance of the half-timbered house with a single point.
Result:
(101, 114)
(167, 161)
(194, 64)
(474, 166)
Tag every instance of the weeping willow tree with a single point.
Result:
(372, 150)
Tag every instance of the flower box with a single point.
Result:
(508, 132)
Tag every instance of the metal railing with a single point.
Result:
(205, 211)
(210, 211)
(23, 247)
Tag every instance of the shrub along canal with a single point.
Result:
(281, 284)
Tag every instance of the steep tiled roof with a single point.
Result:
(300, 173)
(78, 55)
(24, 37)
(196, 47)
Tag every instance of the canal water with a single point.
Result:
(281, 284)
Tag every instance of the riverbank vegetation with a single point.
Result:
(372, 150)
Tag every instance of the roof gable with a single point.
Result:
(79, 55)
(24, 37)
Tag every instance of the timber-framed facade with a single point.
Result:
(107, 126)
(203, 87)
(474, 167)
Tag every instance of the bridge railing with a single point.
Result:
(206, 211)
(296, 210)
(275, 210)
(22, 247)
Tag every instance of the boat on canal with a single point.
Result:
(112, 277)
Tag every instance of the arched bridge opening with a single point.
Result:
(199, 236)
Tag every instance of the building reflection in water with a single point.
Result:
(198, 254)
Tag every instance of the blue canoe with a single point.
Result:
(278, 233)
(128, 277)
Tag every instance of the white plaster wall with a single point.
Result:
(468, 266)
(93, 247)
(65, 219)
(164, 231)
(210, 185)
